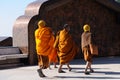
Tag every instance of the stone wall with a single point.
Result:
(103, 22)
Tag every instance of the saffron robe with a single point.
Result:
(43, 37)
(53, 55)
(66, 46)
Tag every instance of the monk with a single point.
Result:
(86, 40)
(66, 47)
(43, 37)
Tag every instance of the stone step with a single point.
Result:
(11, 53)
(12, 57)
(13, 65)
(9, 50)
(9, 61)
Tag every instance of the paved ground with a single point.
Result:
(105, 69)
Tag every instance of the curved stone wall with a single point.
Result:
(103, 22)
(23, 30)
(56, 13)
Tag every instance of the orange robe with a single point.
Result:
(66, 46)
(53, 55)
(43, 37)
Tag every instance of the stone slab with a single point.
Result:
(106, 68)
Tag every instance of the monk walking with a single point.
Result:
(86, 40)
(43, 37)
(66, 47)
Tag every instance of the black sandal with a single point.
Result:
(87, 73)
(91, 70)
(40, 73)
(61, 71)
(70, 69)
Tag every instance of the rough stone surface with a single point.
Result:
(104, 24)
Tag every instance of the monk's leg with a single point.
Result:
(40, 72)
(49, 65)
(91, 70)
(69, 68)
(86, 67)
(55, 65)
(90, 63)
(60, 69)
(42, 63)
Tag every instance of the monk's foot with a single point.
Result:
(70, 69)
(50, 68)
(55, 67)
(87, 73)
(91, 70)
(40, 73)
(61, 71)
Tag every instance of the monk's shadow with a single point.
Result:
(93, 77)
(108, 73)
(75, 68)
(87, 77)
(80, 70)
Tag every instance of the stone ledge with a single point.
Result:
(13, 56)
(12, 65)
